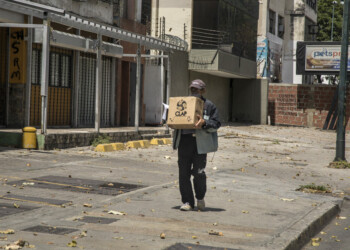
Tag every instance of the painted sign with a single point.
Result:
(323, 58)
(261, 57)
(17, 56)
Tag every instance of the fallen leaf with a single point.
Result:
(116, 212)
(28, 165)
(167, 157)
(31, 246)
(8, 231)
(337, 224)
(230, 200)
(245, 212)
(249, 235)
(341, 218)
(110, 184)
(215, 168)
(285, 199)
(87, 205)
(83, 234)
(119, 238)
(15, 205)
(72, 244)
(194, 237)
(212, 232)
(28, 183)
(162, 235)
(337, 240)
(153, 210)
(323, 232)
(315, 244)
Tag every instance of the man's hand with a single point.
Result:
(200, 123)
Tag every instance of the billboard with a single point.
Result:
(323, 58)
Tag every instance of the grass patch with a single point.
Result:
(312, 188)
(101, 139)
(275, 142)
(339, 164)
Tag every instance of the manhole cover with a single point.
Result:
(50, 230)
(182, 246)
(97, 220)
(9, 209)
(78, 185)
(35, 199)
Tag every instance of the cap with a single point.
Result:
(199, 84)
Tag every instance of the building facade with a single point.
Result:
(63, 63)
(282, 23)
(221, 37)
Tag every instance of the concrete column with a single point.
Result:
(138, 87)
(76, 87)
(29, 73)
(45, 61)
(113, 93)
(98, 84)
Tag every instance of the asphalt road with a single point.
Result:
(251, 198)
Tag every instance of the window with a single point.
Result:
(312, 4)
(60, 72)
(280, 26)
(272, 22)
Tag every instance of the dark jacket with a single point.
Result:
(207, 137)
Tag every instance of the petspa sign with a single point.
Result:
(323, 58)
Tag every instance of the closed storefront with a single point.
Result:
(87, 93)
(60, 87)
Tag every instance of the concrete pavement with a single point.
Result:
(251, 196)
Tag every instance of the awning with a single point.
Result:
(75, 42)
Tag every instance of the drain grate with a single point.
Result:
(79, 185)
(97, 220)
(186, 246)
(50, 230)
(34, 199)
(9, 209)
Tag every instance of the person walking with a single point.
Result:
(193, 146)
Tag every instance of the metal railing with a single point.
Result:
(207, 38)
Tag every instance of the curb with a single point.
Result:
(299, 233)
(110, 147)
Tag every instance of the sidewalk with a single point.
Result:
(251, 197)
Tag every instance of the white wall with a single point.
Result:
(218, 91)
(98, 10)
(152, 94)
(177, 13)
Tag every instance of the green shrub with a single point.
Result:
(101, 139)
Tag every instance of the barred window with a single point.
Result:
(60, 71)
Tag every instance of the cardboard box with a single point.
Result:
(183, 112)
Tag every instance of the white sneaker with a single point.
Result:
(186, 207)
(201, 205)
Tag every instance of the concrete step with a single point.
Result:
(151, 136)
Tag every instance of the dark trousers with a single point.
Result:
(191, 163)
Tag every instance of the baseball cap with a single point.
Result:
(199, 84)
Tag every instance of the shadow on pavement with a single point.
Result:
(207, 209)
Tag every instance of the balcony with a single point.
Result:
(213, 53)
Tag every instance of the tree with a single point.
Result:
(324, 20)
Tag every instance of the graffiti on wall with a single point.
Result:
(17, 56)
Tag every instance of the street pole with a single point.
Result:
(340, 144)
(334, 2)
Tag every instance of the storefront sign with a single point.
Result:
(323, 58)
(17, 56)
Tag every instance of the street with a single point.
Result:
(130, 200)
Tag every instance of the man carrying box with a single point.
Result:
(193, 146)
